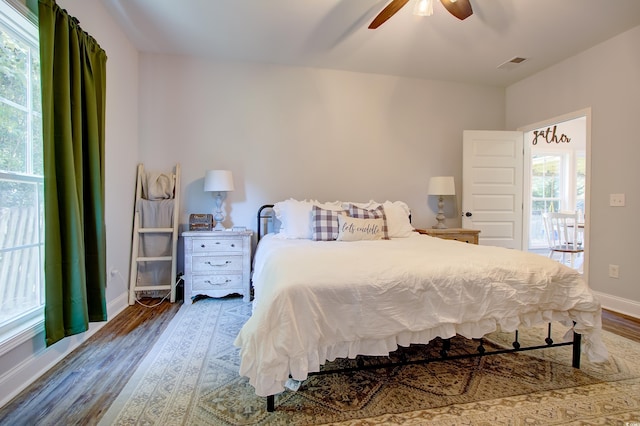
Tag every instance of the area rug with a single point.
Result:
(190, 377)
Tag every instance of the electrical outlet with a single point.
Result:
(616, 200)
(614, 271)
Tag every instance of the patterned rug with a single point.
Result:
(191, 378)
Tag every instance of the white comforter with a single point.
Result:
(317, 301)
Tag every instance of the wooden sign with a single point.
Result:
(549, 135)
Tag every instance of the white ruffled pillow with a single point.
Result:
(398, 223)
(295, 218)
(369, 205)
(334, 206)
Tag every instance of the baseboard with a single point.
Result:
(32, 367)
(117, 305)
(618, 304)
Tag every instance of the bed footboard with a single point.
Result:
(481, 350)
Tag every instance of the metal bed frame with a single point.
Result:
(265, 215)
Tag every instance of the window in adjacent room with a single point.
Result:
(557, 184)
(21, 180)
(581, 171)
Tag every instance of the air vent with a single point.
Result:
(511, 63)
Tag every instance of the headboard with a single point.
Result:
(267, 222)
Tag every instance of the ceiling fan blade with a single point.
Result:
(461, 9)
(387, 13)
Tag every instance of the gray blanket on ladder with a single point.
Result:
(156, 209)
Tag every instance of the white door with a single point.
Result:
(492, 172)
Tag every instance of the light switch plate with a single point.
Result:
(616, 200)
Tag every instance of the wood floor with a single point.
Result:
(80, 389)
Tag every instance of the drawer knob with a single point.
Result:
(233, 245)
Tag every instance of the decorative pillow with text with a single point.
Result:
(355, 229)
(376, 213)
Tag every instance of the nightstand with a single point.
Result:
(458, 234)
(217, 263)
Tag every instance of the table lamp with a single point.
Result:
(218, 181)
(441, 186)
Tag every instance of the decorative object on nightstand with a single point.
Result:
(218, 181)
(441, 186)
(200, 222)
(217, 264)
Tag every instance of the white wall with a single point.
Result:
(605, 78)
(306, 133)
(25, 362)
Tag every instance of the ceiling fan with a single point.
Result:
(461, 9)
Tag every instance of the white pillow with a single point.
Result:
(398, 224)
(354, 229)
(369, 205)
(295, 218)
(334, 206)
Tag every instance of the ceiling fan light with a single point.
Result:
(423, 8)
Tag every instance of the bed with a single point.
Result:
(320, 294)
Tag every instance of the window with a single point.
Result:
(546, 184)
(581, 171)
(557, 184)
(21, 176)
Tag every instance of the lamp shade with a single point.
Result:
(442, 185)
(218, 181)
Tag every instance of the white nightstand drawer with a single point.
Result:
(216, 282)
(205, 245)
(217, 264)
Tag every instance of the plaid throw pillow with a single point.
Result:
(377, 213)
(325, 223)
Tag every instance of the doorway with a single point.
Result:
(556, 176)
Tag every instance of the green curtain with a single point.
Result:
(73, 68)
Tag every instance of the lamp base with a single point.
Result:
(219, 216)
(440, 224)
(440, 216)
